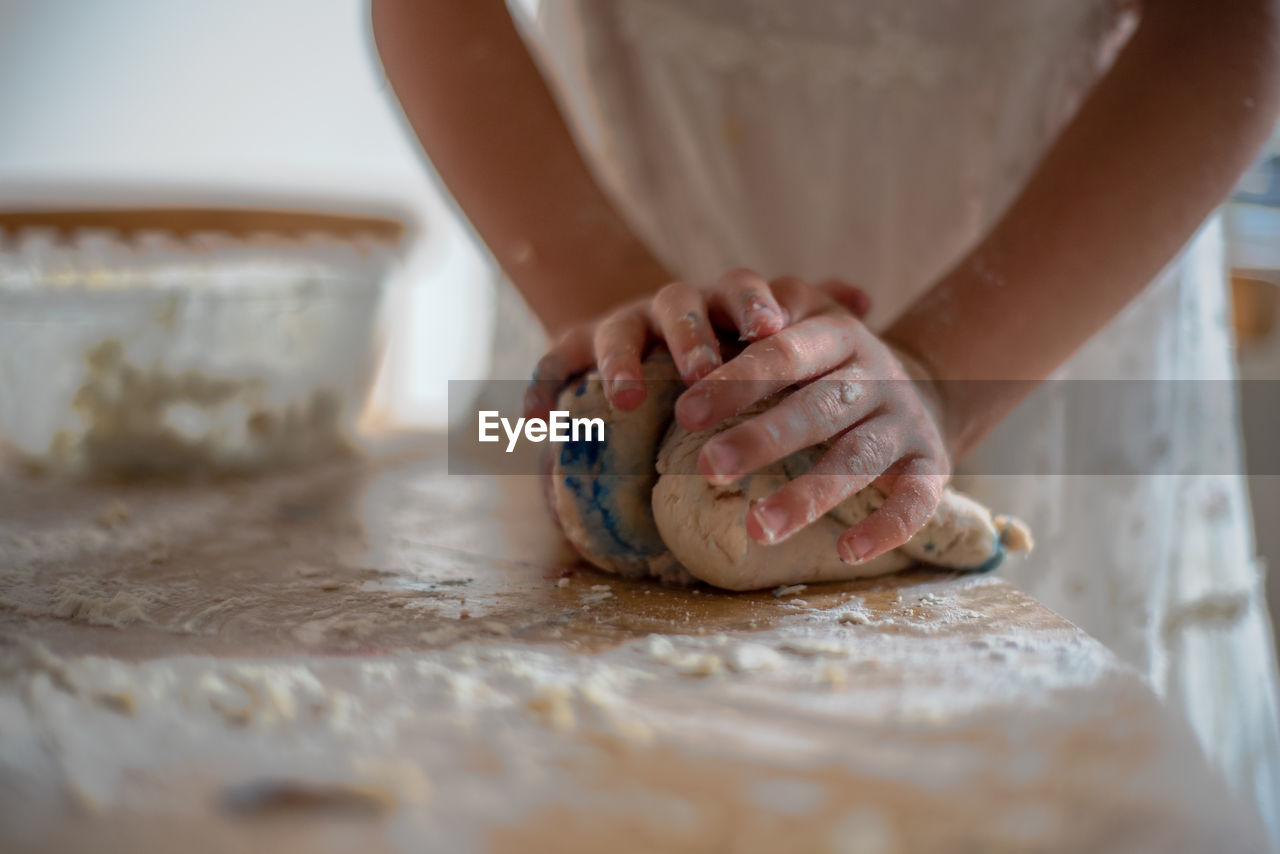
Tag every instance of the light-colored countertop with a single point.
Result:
(381, 657)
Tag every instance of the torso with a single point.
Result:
(874, 140)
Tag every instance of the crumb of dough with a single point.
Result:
(117, 701)
(632, 731)
(553, 707)
(34, 656)
(1014, 534)
(401, 776)
(233, 700)
(789, 590)
(810, 648)
(750, 657)
(659, 648)
(698, 664)
(832, 674)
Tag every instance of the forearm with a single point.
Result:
(1157, 144)
(487, 120)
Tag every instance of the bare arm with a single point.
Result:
(482, 110)
(1158, 143)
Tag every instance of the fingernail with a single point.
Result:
(627, 388)
(772, 521)
(701, 361)
(694, 410)
(722, 463)
(760, 320)
(859, 548)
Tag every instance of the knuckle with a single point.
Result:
(931, 486)
(918, 497)
(828, 403)
(843, 324)
(873, 449)
(918, 508)
(852, 462)
(895, 526)
(668, 295)
(789, 352)
(847, 321)
(743, 374)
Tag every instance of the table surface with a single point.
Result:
(380, 656)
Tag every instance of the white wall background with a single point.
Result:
(242, 101)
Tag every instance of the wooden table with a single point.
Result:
(381, 657)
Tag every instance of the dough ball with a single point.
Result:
(635, 505)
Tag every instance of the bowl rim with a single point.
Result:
(235, 221)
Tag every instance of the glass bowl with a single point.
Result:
(154, 352)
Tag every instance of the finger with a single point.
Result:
(812, 414)
(852, 463)
(917, 489)
(680, 315)
(748, 302)
(571, 354)
(851, 297)
(800, 352)
(799, 299)
(619, 344)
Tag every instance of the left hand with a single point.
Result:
(855, 392)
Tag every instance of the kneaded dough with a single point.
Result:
(602, 492)
(635, 505)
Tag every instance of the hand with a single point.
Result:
(880, 417)
(685, 318)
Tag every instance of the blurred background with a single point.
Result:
(283, 102)
(243, 102)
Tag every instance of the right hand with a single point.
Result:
(686, 319)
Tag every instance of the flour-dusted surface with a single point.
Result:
(386, 658)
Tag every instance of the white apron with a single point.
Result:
(878, 140)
